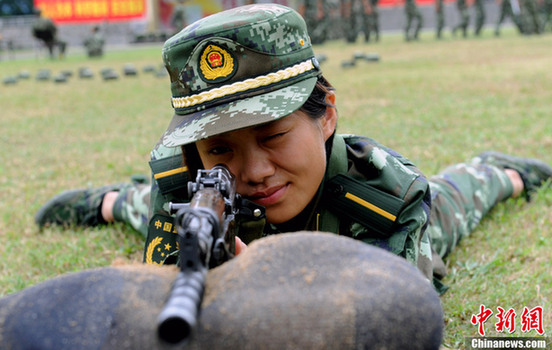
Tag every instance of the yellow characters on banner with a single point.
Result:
(91, 10)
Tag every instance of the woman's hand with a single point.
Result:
(240, 246)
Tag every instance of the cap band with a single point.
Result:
(240, 86)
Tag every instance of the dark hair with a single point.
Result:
(317, 102)
(314, 107)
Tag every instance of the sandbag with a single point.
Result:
(300, 290)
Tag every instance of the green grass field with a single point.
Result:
(437, 103)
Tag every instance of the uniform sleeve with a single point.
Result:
(388, 171)
(160, 244)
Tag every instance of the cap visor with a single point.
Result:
(238, 114)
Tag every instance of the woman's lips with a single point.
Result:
(270, 196)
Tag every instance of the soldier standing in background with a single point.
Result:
(349, 20)
(464, 18)
(45, 30)
(373, 19)
(530, 17)
(479, 16)
(439, 18)
(367, 9)
(413, 14)
(508, 8)
(94, 44)
(178, 16)
(315, 14)
(546, 9)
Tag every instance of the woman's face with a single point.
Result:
(279, 165)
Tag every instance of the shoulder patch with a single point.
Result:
(362, 203)
(171, 174)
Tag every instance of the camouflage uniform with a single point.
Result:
(461, 196)
(546, 9)
(178, 16)
(317, 18)
(530, 17)
(369, 18)
(479, 16)
(373, 22)
(464, 18)
(440, 18)
(95, 43)
(132, 206)
(507, 10)
(412, 14)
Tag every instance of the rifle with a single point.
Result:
(206, 236)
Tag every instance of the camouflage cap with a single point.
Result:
(237, 68)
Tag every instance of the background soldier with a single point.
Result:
(508, 8)
(464, 18)
(413, 14)
(367, 9)
(315, 13)
(178, 16)
(349, 20)
(94, 44)
(546, 9)
(530, 17)
(371, 8)
(479, 16)
(439, 18)
(45, 30)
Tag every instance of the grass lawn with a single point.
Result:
(436, 102)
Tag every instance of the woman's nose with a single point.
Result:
(256, 166)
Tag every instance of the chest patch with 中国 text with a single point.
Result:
(161, 239)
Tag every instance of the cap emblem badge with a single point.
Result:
(216, 64)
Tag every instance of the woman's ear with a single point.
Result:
(329, 120)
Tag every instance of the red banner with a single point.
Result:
(91, 10)
(400, 3)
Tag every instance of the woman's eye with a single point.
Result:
(219, 150)
(275, 136)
